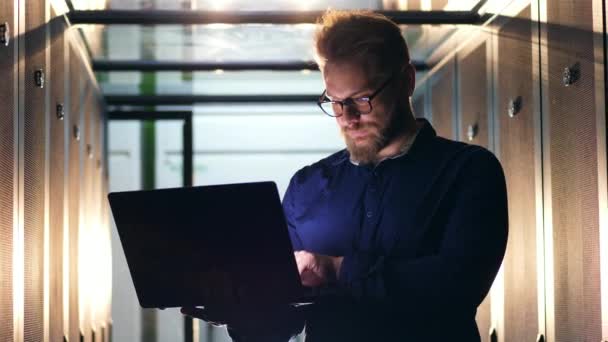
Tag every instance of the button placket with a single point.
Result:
(371, 196)
(370, 209)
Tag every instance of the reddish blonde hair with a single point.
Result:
(363, 37)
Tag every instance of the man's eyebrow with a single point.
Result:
(348, 97)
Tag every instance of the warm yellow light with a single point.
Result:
(18, 276)
(305, 72)
(219, 71)
(46, 252)
(304, 5)
(426, 5)
(82, 272)
(219, 5)
(459, 5)
(98, 256)
(196, 330)
(66, 269)
(497, 303)
(94, 261)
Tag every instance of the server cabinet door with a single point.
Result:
(87, 278)
(519, 130)
(57, 176)
(473, 87)
(572, 155)
(98, 312)
(8, 162)
(74, 174)
(34, 115)
(105, 224)
(473, 109)
(442, 100)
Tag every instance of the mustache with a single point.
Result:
(359, 126)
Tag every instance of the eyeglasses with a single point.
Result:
(362, 105)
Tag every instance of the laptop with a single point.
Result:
(221, 244)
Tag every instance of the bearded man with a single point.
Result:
(406, 228)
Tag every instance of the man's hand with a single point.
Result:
(316, 269)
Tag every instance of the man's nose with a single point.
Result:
(350, 114)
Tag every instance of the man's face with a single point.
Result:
(365, 135)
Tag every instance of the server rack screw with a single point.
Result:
(76, 132)
(39, 78)
(60, 112)
(472, 132)
(571, 75)
(515, 106)
(5, 35)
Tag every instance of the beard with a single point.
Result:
(379, 135)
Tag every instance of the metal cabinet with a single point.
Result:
(8, 174)
(57, 176)
(34, 114)
(40, 173)
(518, 148)
(472, 104)
(473, 88)
(87, 225)
(74, 178)
(574, 166)
(442, 100)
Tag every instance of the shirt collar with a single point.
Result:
(420, 125)
(424, 133)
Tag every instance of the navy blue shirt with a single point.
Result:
(423, 236)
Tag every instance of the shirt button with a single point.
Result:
(369, 214)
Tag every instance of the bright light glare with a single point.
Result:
(219, 26)
(304, 5)
(219, 5)
(426, 5)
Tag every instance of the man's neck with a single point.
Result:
(400, 142)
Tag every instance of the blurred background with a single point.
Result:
(116, 95)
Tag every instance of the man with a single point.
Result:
(408, 229)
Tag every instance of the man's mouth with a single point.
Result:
(357, 134)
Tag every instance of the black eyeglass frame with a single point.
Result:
(350, 101)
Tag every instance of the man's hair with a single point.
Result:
(362, 37)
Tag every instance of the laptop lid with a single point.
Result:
(208, 244)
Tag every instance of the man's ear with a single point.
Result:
(408, 77)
